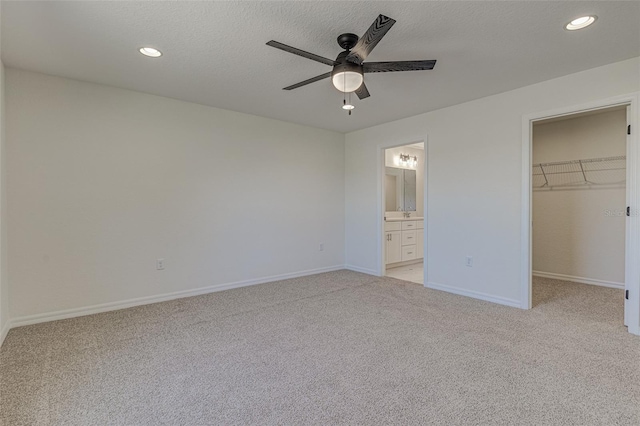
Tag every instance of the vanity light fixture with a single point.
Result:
(150, 52)
(407, 160)
(581, 22)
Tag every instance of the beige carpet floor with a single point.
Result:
(334, 348)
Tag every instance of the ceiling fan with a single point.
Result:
(349, 67)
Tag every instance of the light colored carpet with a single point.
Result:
(334, 348)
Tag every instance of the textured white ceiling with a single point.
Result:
(215, 52)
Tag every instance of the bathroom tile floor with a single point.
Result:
(413, 273)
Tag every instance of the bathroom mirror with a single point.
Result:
(400, 190)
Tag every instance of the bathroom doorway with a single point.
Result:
(403, 203)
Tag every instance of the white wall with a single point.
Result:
(474, 180)
(392, 153)
(4, 283)
(103, 181)
(577, 232)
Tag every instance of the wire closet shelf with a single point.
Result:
(577, 173)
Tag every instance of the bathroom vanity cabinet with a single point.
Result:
(403, 240)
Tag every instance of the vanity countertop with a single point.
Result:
(402, 219)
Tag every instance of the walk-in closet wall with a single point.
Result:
(578, 231)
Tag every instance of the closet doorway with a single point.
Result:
(582, 192)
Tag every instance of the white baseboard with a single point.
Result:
(123, 304)
(474, 294)
(4, 331)
(363, 270)
(581, 280)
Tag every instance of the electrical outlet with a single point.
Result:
(469, 261)
(160, 264)
(321, 248)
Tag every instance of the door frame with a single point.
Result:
(382, 267)
(632, 237)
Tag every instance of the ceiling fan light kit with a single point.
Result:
(347, 77)
(349, 67)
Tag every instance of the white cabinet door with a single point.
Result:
(393, 246)
(420, 243)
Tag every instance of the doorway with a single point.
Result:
(578, 184)
(579, 202)
(403, 215)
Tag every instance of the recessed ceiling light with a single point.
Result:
(581, 22)
(150, 51)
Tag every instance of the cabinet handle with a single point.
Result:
(409, 238)
(409, 252)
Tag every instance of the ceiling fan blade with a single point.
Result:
(362, 91)
(370, 39)
(311, 80)
(398, 66)
(302, 53)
